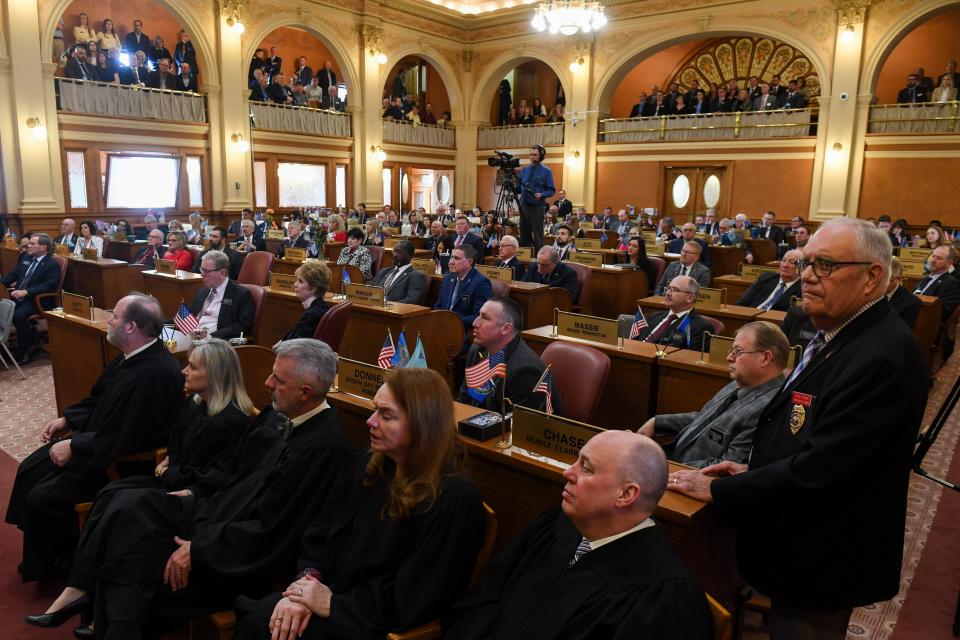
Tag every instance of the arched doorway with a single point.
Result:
(422, 81)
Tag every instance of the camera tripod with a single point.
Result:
(507, 195)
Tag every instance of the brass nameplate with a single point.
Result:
(166, 267)
(119, 236)
(586, 225)
(916, 255)
(364, 294)
(594, 244)
(275, 234)
(753, 271)
(424, 265)
(89, 253)
(359, 378)
(551, 436)
(589, 259)
(78, 306)
(575, 325)
(10, 243)
(524, 254)
(710, 298)
(649, 235)
(654, 249)
(281, 282)
(912, 269)
(496, 273)
(719, 348)
(61, 250)
(297, 254)
(390, 243)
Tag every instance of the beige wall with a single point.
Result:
(930, 45)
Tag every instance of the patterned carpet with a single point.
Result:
(26, 405)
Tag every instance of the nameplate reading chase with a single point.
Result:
(166, 267)
(575, 325)
(496, 273)
(364, 294)
(424, 265)
(281, 282)
(297, 254)
(548, 435)
(359, 378)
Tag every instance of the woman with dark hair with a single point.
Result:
(898, 233)
(405, 540)
(106, 71)
(637, 259)
(124, 227)
(357, 254)
(313, 282)
(88, 239)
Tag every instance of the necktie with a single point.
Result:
(146, 256)
(459, 241)
(662, 328)
(582, 549)
(28, 274)
(284, 426)
(683, 271)
(453, 298)
(922, 285)
(389, 282)
(813, 347)
(772, 300)
(208, 301)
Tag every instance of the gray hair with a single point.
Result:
(509, 240)
(314, 361)
(896, 268)
(726, 222)
(768, 337)
(218, 258)
(693, 244)
(646, 465)
(551, 252)
(874, 243)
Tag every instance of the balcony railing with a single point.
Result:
(317, 122)
(429, 135)
(516, 136)
(927, 117)
(746, 125)
(130, 101)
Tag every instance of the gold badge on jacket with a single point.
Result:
(797, 416)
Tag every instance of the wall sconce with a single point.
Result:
(837, 146)
(242, 145)
(577, 64)
(378, 153)
(36, 128)
(235, 24)
(379, 56)
(230, 10)
(572, 158)
(846, 36)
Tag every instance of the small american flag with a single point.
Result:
(543, 386)
(481, 373)
(639, 324)
(386, 352)
(184, 320)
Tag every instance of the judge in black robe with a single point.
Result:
(633, 587)
(386, 574)
(128, 411)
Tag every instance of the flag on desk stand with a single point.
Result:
(479, 377)
(603, 235)
(639, 324)
(184, 320)
(402, 355)
(543, 386)
(386, 352)
(419, 358)
(345, 276)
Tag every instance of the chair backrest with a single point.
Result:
(195, 251)
(259, 296)
(442, 335)
(7, 307)
(333, 325)
(722, 620)
(624, 324)
(64, 263)
(489, 537)
(256, 362)
(560, 299)
(336, 275)
(580, 374)
(256, 268)
(718, 326)
(377, 253)
(500, 288)
(659, 266)
(106, 247)
(583, 279)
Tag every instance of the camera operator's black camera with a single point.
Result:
(503, 160)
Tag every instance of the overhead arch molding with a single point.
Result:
(489, 81)
(446, 73)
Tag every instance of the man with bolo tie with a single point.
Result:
(536, 182)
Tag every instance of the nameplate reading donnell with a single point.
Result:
(359, 378)
(551, 436)
(575, 325)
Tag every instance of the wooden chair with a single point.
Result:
(580, 374)
(155, 457)
(560, 299)
(333, 325)
(718, 326)
(746, 600)
(582, 303)
(659, 265)
(442, 335)
(256, 363)
(40, 298)
(259, 297)
(500, 288)
(722, 620)
(377, 253)
(256, 268)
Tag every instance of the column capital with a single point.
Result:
(852, 12)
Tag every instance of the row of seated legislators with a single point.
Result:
(757, 95)
(362, 543)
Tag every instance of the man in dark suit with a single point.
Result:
(766, 101)
(249, 240)
(497, 328)
(659, 106)
(924, 81)
(465, 237)
(327, 77)
(224, 307)
(940, 283)
(162, 78)
(688, 265)
(273, 64)
(794, 98)
(642, 108)
(261, 92)
(332, 101)
(840, 434)
(680, 325)
(725, 427)
(775, 290)
(154, 249)
(564, 206)
(464, 289)
(777, 90)
(721, 102)
(399, 87)
(138, 73)
(952, 72)
(769, 230)
(564, 243)
(295, 238)
(68, 235)
(40, 275)
(913, 92)
(187, 80)
(279, 91)
(218, 242)
(136, 40)
(711, 226)
(688, 233)
(508, 256)
(549, 270)
(234, 228)
(903, 302)
(77, 66)
(401, 283)
(303, 73)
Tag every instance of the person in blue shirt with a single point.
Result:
(536, 181)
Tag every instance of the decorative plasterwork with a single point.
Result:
(852, 11)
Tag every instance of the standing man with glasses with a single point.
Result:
(536, 181)
(838, 436)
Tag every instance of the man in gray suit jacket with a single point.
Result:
(401, 282)
(688, 265)
(724, 428)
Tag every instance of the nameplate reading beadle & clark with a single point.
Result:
(364, 294)
(359, 378)
(549, 435)
(281, 282)
(575, 325)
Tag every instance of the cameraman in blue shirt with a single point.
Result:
(536, 182)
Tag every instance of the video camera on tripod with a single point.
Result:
(507, 165)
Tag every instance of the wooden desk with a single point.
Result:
(534, 299)
(124, 250)
(735, 285)
(284, 266)
(612, 241)
(615, 291)
(732, 316)
(519, 488)
(685, 384)
(8, 259)
(273, 244)
(629, 397)
(774, 316)
(283, 309)
(79, 351)
(763, 250)
(610, 256)
(367, 329)
(170, 291)
(724, 260)
(106, 279)
(331, 250)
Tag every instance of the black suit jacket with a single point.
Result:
(516, 265)
(906, 305)
(72, 242)
(524, 368)
(325, 82)
(561, 276)
(237, 311)
(764, 286)
(278, 93)
(841, 436)
(149, 262)
(131, 44)
(776, 234)
(300, 243)
(44, 279)
(76, 71)
(912, 94)
(474, 241)
(236, 261)
(167, 80)
(182, 84)
(259, 94)
(409, 287)
(640, 110)
(691, 337)
(944, 287)
(564, 208)
(307, 324)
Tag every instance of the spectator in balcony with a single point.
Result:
(137, 73)
(777, 90)
(428, 116)
(680, 107)
(327, 77)
(946, 92)
(177, 250)
(258, 66)
(766, 101)
(77, 67)
(158, 52)
(557, 114)
(744, 102)
(261, 93)
(794, 99)
(642, 108)
(659, 106)
(753, 87)
(92, 53)
(83, 33)
(106, 72)
(527, 117)
(314, 93)
(279, 91)
(399, 87)
(445, 119)
(407, 104)
(394, 111)
(162, 78)
(274, 64)
(700, 105)
(136, 40)
(108, 39)
(722, 102)
(924, 81)
(187, 80)
(184, 52)
(332, 101)
(913, 92)
(503, 107)
(303, 72)
(539, 110)
(413, 116)
(952, 72)
(88, 239)
(296, 90)
(58, 46)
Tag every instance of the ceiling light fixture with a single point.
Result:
(569, 16)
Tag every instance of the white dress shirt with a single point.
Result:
(210, 313)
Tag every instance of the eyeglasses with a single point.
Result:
(736, 352)
(822, 267)
(673, 289)
(202, 270)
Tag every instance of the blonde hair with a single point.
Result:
(316, 275)
(224, 376)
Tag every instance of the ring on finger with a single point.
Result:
(301, 593)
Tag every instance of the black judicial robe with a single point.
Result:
(128, 411)
(386, 574)
(634, 587)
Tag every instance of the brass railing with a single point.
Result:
(922, 117)
(779, 123)
(134, 101)
(519, 135)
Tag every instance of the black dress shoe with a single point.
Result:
(58, 617)
(84, 631)
(25, 359)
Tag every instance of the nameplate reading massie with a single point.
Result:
(575, 325)
(297, 254)
(424, 265)
(364, 294)
(754, 271)
(89, 254)
(166, 267)
(588, 259)
(549, 435)
(711, 298)
(275, 234)
(281, 282)
(593, 244)
(78, 306)
(359, 378)
(496, 273)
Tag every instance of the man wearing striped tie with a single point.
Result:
(821, 506)
(597, 567)
(775, 290)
